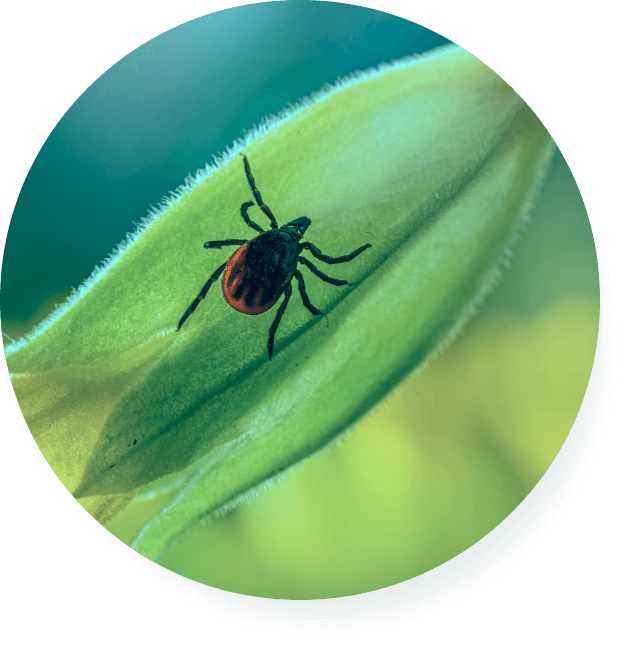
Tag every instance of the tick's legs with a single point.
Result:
(194, 304)
(301, 288)
(277, 319)
(244, 215)
(322, 275)
(327, 259)
(218, 244)
(255, 192)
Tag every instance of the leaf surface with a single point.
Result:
(433, 161)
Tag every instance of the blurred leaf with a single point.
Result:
(433, 161)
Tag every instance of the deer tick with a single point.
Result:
(262, 269)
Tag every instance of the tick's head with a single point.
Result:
(299, 225)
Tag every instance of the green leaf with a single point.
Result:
(433, 161)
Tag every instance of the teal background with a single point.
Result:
(449, 455)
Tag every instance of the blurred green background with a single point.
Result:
(444, 459)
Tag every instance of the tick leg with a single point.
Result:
(277, 319)
(304, 297)
(194, 304)
(322, 275)
(218, 244)
(244, 215)
(327, 259)
(255, 192)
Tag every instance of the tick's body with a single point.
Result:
(261, 270)
(258, 273)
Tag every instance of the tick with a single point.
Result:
(262, 268)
